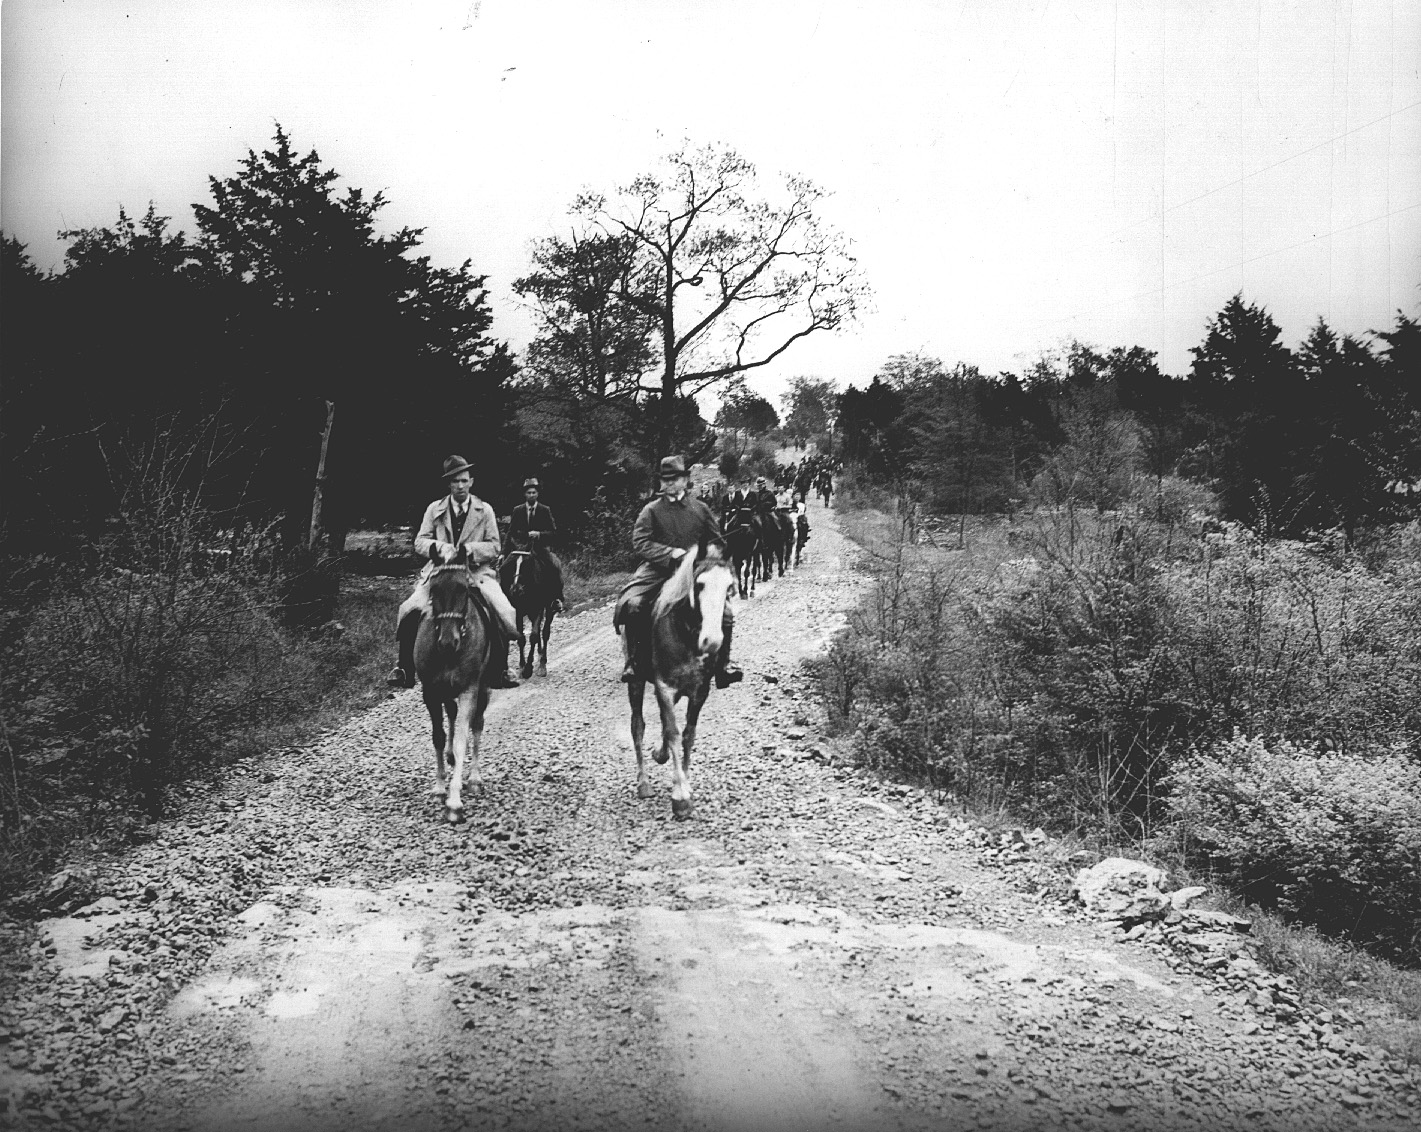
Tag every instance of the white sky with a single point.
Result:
(1012, 172)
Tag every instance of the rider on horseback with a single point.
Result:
(762, 499)
(665, 530)
(531, 527)
(458, 520)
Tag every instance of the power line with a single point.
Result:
(1246, 177)
(1233, 266)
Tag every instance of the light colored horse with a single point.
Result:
(453, 657)
(685, 640)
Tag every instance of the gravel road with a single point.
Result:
(311, 947)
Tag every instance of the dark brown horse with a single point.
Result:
(453, 656)
(767, 543)
(742, 543)
(685, 642)
(527, 581)
(784, 551)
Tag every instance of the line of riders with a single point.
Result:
(758, 525)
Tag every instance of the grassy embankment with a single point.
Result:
(1098, 675)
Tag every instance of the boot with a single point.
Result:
(506, 679)
(630, 644)
(726, 673)
(402, 675)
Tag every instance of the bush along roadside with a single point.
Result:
(1094, 672)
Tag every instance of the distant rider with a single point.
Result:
(531, 527)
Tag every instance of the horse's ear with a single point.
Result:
(434, 553)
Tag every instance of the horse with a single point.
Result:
(685, 640)
(767, 537)
(526, 580)
(742, 543)
(782, 551)
(454, 658)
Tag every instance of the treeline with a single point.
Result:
(287, 335)
(1325, 436)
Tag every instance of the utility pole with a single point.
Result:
(317, 496)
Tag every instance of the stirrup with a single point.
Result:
(557, 605)
(727, 675)
(505, 679)
(399, 678)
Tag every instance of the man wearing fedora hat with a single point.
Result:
(459, 519)
(531, 527)
(666, 529)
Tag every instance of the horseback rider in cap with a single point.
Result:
(531, 527)
(459, 519)
(667, 528)
(762, 499)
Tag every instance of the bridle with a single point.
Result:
(452, 616)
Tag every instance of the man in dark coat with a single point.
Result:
(668, 527)
(531, 527)
(762, 499)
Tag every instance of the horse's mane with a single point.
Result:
(678, 587)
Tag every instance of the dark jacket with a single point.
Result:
(664, 526)
(519, 525)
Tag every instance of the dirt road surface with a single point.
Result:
(311, 947)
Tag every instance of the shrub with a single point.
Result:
(137, 678)
(1331, 838)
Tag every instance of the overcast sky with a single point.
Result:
(1013, 173)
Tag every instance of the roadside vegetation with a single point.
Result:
(1131, 609)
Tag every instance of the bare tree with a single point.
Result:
(727, 279)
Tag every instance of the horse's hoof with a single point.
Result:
(680, 810)
(453, 816)
(660, 755)
(542, 670)
(644, 790)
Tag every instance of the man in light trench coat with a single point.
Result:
(458, 519)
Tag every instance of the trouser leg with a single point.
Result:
(727, 673)
(554, 566)
(406, 631)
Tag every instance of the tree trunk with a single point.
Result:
(318, 494)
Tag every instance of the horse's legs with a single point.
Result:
(463, 709)
(670, 740)
(688, 740)
(436, 722)
(547, 632)
(525, 664)
(636, 692)
(474, 777)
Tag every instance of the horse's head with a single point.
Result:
(450, 587)
(712, 581)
